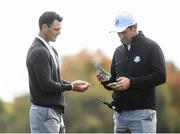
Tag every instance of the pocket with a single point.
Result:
(42, 112)
(51, 114)
(149, 115)
(149, 121)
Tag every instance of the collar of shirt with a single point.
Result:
(49, 48)
(129, 46)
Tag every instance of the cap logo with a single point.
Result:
(116, 22)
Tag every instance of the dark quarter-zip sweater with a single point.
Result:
(144, 65)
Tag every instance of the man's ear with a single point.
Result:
(44, 27)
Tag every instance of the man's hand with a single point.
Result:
(100, 76)
(122, 83)
(80, 86)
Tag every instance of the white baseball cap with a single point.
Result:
(123, 21)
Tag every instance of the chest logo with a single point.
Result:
(137, 59)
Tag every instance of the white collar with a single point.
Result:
(49, 48)
(129, 46)
(45, 43)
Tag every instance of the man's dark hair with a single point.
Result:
(48, 18)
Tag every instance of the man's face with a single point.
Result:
(126, 36)
(53, 31)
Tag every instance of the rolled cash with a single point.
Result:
(106, 75)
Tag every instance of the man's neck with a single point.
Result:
(44, 37)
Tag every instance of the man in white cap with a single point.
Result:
(138, 66)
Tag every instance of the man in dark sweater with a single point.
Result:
(138, 66)
(45, 83)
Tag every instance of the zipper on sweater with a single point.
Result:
(127, 54)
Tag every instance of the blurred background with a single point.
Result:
(83, 112)
(84, 40)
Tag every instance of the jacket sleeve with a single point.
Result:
(66, 81)
(42, 71)
(157, 73)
